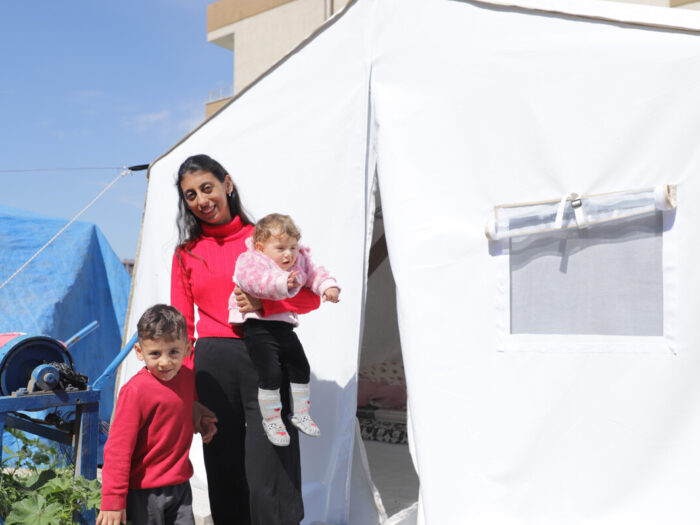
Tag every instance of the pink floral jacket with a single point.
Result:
(259, 276)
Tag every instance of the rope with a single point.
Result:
(125, 172)
(26, 170)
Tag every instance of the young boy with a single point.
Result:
(146, 458)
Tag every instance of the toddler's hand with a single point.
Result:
(331, 294)
(292, 281)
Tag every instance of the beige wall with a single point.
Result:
(259, 41)
(261, 32)
(225, 12)
(213, 107)
(337, 5)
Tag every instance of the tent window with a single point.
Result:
(585, 266)
(606, 280)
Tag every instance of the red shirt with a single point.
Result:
(149, 440)
(202, 274)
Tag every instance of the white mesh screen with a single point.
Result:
(605, 280)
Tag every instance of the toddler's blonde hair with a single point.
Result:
(273, 225)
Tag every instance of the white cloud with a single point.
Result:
(191, 116)
(187, 124)
(89, 94)
(64, 134)
(146, 121)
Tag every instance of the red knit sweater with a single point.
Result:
(150, 437)
(203, 275)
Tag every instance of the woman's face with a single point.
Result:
(205, 195)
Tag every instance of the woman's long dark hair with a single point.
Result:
(189, 226)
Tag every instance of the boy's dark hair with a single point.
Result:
(162, 321)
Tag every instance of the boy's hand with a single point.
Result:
(111, 517)
(331, 294)
(204, 421)
(208, 428)
(292, 281)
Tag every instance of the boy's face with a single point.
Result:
(280, 248)
(163, 357)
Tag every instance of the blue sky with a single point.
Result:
(87, 84)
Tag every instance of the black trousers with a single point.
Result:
(251, 481)
(275, 351)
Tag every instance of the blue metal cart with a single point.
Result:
(30, 380)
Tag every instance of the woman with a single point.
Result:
(250, 480)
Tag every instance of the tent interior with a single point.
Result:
(381, 398)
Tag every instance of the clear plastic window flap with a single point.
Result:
(586, 273)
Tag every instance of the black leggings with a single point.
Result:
(274, 348)
(251, 481)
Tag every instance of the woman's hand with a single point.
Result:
(246, 303)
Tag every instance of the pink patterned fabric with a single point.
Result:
(259, 276)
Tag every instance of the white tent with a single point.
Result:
(536, 395)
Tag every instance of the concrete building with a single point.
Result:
(260, 32)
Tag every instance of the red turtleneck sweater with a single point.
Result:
(203, 276)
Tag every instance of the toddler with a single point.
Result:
(276, 267)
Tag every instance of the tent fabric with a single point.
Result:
(648, 16)
(461, 106)
(76, 280)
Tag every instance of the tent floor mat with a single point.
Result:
(385, 426)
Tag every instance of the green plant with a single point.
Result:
(37, 488)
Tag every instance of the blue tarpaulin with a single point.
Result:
(76, 280)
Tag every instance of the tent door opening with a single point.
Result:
(381, 399)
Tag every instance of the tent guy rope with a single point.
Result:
(125, 171)
(28, 170)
